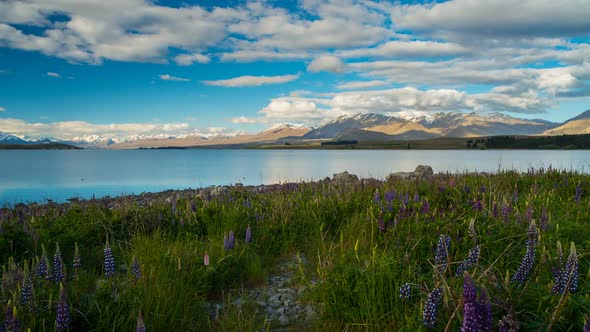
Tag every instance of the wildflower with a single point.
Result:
(206, 259)
(41, 270)
(515, 194)
(472, 258)
(508, 323)
(140, 327)
(405, 291)
(248, 238)
(109, 261)
(229, 241)
(506, 209)
(568, 277)
(544, 224)
(382, 226)
(431, 307)
(26, 291)
(58, 274)
(578, 195)
(557, 269)
(587, 325)
(442, 252)
(425, 207)
(529, 213)
(389, 196)
(526, 266)
(477, 314)
(495, 212)
(62, 319)
(10, 319)
(416, 197)
(77, 263)
(135, 269)
(377, 197)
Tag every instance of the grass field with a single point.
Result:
(465, 250)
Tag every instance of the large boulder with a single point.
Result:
(422, 171)
(345, 177)
(399, 176)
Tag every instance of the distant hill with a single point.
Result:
(45, 146)
(576, 125)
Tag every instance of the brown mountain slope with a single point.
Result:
(397, 128)
(574, 127)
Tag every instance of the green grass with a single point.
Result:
(357, 267)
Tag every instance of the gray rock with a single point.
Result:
(261, 303)
(345, 177)
(399, 176)
(423, 171)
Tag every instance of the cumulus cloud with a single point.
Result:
(242, 81)
(189, 59)
(500, 18)
(328, 63)
(361, 85)
(166, 77)
(243, 120)
(408, 49)
(70, 130)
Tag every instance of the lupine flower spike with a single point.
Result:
(528, 261)
(140, 327)
(77, 263)
(58, 274)
(109, 261)
(442, 252)
(405, 291)
(248, 238)
(62, 319)
(431, 307)
(135, 269)
(568, 278)
(477, 314)
(41, 268)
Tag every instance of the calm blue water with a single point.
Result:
(27, 176)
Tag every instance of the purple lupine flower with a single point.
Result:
(484, 311)
(431, 307)
(231, 239)
(405, 291)
(135, 269)
(41, 268)
(557, 269)
(26, 292)
(578, 195)
(442, 252)
(11, 322)
(508, 323)
(470, 315)
(478, 204)
(58, 274)
(495, 212)
(477, 314)
(377, 197)
(544, 224)
(140, 326)
(77, 263)
(109, 261)
(62, 319)
(425, 207)
(406, 199)
(506, 209)
(248, 237)
(389, 196)
(416, 197)
(466, 190)
(472, 258)
(482, 189)
(528, 261)
(515, 194)
(568, 279)
(587, 325)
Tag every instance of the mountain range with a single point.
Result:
(360, 127)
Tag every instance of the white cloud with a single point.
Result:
(499, 18)
(293, 108)
(53, 74)
(242, 81)
(166, 77)
(328, 63)
(361, 85)
(408, 49)
(189, 59)
(2, 109)
(243, 120)
(119, 132)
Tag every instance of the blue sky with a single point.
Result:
(124, 68)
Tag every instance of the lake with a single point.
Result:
(34, 176)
